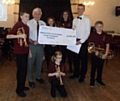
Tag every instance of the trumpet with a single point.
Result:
(58, 70)
(20, 40)
(92, 48)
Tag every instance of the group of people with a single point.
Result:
(31, 56)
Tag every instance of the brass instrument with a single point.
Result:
(20, 40)
(92, 48)
(58, 70)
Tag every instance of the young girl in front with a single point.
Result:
(56, 71)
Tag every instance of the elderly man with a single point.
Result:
(36, 49)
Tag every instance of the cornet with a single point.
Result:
(92, 48)
(20, 40)
(58, 70)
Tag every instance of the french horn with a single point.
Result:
(92, 48)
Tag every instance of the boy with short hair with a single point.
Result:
(21, 51)
(100, 40)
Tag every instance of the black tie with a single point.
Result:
(37, 29)
(79, 18)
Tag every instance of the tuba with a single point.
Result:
(92, 48)
(20, 40)
(58, 70)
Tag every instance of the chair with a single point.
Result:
(7, 51)
(1, 32)
(92, 29)
(110, 31)
(110, 36)
(117, 47)
(115, 43)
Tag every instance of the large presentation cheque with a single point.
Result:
(56, 36)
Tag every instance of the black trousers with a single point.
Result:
(21, 61)
(70, 59)
(49, 51)
(80, 61)
(64, 52)
(55, 85)
(97, 65)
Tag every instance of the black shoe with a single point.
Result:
(101, 83)
(32, 84)
(53, 95)
(26, 89)
(21, 94)
(40, 80)
(73, 76)
(92, 84)
(81, 80)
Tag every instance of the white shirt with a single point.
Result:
(33, 28)
(82, 27)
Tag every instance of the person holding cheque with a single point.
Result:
(50, 49)
(36, 49)
(82, 26)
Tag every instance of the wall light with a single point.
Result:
(89, 3)
(8, 2)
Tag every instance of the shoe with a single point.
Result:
(21, 94)
(81, 80)
(26, 89)
(73, 76)
(40, 80)
(101, 83)
(91, 84)
(32, 84)
(53, 95)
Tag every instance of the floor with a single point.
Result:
(76, 91)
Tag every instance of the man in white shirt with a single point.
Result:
(36, 49)
(82, 26)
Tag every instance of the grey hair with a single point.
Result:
(36, 10)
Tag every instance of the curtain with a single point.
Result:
(49, 8)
